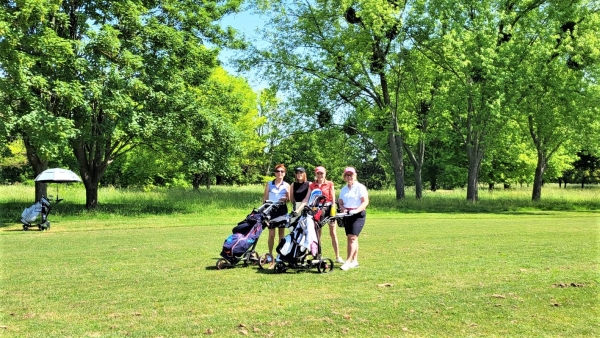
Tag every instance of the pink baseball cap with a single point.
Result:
(350, 170)
(320, 169)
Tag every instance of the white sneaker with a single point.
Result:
(339, 260)
(345, 266)
(354, 264)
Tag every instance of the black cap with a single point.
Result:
(299, 169)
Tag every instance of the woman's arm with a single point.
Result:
(341, 205)
(292, 198)
(302, 204)
(332, 193)
(266, 193)
(287, 195)
(364, 202)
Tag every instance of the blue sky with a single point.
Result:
(246, 23)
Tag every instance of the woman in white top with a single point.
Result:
(354, 199)
(277, 190)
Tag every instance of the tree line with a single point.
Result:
(501, 92)
(503, 81)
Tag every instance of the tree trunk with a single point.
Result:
(490, 186)
(38, 165)
(473, 142)
(472, 182)
(475, 154)
(417, 162)
(395, 139)
(92, 166)
(91, 193)
(395, 143)
(539, 176)
(433, 173)
(196, 180)
(418, 183)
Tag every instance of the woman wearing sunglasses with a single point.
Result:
(354, 199)
(277, 190)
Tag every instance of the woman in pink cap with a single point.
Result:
(328, 190)
(354, 199)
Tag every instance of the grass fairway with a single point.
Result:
(505, 274)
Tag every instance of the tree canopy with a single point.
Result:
(103, 76)
(460, 92)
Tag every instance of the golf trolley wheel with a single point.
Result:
(254, 259)
(280, 267)
(266, 261)
(325, 265)
(44, 226)
(25, 228)
(222, 264)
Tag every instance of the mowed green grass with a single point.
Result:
(423, 274)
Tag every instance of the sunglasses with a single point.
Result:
(279, 171)
(348, 174)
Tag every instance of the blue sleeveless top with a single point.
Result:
(277, 192)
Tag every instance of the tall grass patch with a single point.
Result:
(223, 202)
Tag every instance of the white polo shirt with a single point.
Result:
(352, 196)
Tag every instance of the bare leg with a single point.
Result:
(334, 240)
(271, 240)
(352, 248)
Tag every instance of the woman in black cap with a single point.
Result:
(299, 189)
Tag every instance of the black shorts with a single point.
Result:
(355, 223)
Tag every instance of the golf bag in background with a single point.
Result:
(31, 214)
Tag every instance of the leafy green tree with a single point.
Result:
(105, 75)
(470, 43)
(335, 59)
(511, 161)
(555, 89)
(226, 147)
(13, 163)
(586, 168)
(419, 80)
(146, 167)
(274, 130)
